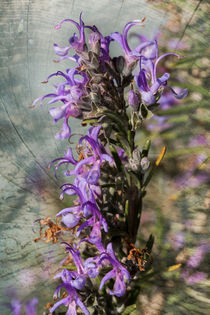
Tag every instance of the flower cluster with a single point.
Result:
(86, 86)
(87, 215)
(110, 170)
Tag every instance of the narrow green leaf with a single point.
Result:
(117, 120)
(129, 309)
(187, 60)
(88, 121)
(153, 167)
(184, 108)
(178, 119)
(185, 151)
(116, 157)
(146, 148)
(150, 243)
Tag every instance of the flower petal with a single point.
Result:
(111, 274)
(65, 131)
(181, 95)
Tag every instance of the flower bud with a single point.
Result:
(95, 42)
(133, 100)
(119, 63)
(135, 161)
(145, 163)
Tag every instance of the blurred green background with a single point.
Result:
(177, 202)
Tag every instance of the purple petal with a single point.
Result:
(65, 131)
(64, 301)
(106, 157)
(125, 33)
(70, 220)
(42, 99)
(198, 255)
(58, 112)
(79, 282)
(69, 155)
(110, 251)
(181, 95)
(92, 267)
(61, 51)
(111, 274)
(82, 306)
(141, 81)
(148, 49)
(62, 98)
(93, 132)
(147, 97)
(160, 58)
(68, 210)
(84, 225)
(95, 235)
(58, 26)
(93, 176)
(119, 286)
(160, 81)
(88, 160)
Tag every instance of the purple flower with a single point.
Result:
(72, 278)
(86, 207)
(147, 53)
(130, 56)
(87, 169)
(95, 234)
(94, 154)
(76, 257)
(147, 48)
(71, 216)
(70, 93)
(80, 191)
(118, 272)
(67, 159)
(99, 44)
(72, 301)
(72, 281)
(77, 43)
(96, 221)
(107, 257)
(65, 132)
(91, 208)
(92, 266)
(148, 93)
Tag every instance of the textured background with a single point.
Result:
(28, 190)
